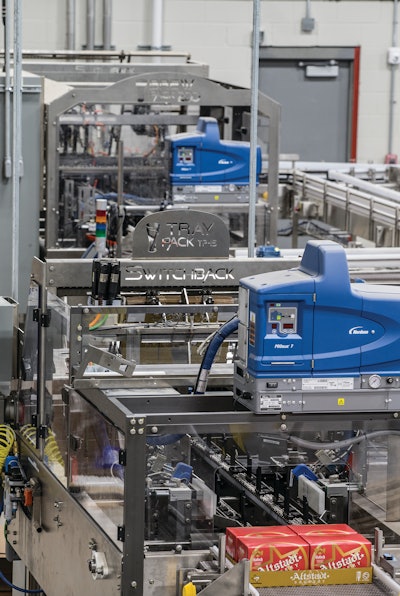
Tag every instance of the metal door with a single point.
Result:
(317, 89)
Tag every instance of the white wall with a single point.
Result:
(218, 32)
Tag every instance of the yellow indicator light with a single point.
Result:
(216, 197)
(189, 589)
(340, 401)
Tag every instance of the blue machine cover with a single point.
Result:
(311, 321)
(202, 158)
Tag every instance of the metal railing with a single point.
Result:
(379, 211)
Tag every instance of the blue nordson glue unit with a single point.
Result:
(205, 169)
(312, 341)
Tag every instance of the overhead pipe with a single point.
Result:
(71, 19)
(90, 24)
(393, 68)
(307, 23)
(157, 25)
(107, 22)
(7, 89)
(120, 55)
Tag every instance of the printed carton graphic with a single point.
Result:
(274, 554)
(339, 552)
(232, 535)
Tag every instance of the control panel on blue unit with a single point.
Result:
(282, 320)
(186, 155)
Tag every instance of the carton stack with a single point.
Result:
(301, 555)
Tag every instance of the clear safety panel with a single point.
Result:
(54, 363)
(96, 457)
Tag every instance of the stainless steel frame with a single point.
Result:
(65, 525)
(139, 409)
(161, 91)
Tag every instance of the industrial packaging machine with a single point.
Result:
(119, 137)
(127, 474)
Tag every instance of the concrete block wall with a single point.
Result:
(218, 32)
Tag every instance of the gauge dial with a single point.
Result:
(374, 381)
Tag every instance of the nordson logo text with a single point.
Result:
(358, 331)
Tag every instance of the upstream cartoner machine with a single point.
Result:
(312, 341)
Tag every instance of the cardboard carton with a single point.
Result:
(339, 552)
(232, 535)
(322, 529)
(270, 553)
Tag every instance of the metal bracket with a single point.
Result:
(122, 457)
(42, 431)
(121, 533)
(107, 360)
(42, 318)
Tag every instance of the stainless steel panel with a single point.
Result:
(58, 555)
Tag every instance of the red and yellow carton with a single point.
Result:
(323, 530)
(234, 533)
(311, 577)
(338, 551)
(274, 554)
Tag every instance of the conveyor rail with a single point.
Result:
(328, 193)
(375, 589)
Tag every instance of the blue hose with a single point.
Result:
(5, 580)
(227, 329)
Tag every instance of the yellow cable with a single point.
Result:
(7, 439)
(51, 449)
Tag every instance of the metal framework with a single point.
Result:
(161, 91)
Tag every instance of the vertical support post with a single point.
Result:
(7, 168)
(17, 145)
(253, 127)
(120, 196)
(393, 70)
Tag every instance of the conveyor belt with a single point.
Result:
(374, 589)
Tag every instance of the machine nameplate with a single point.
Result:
(268, 402)
(183, 234)
(179, 274)
(205, 188)
(327, 384)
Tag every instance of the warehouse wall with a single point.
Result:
(218, 32)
